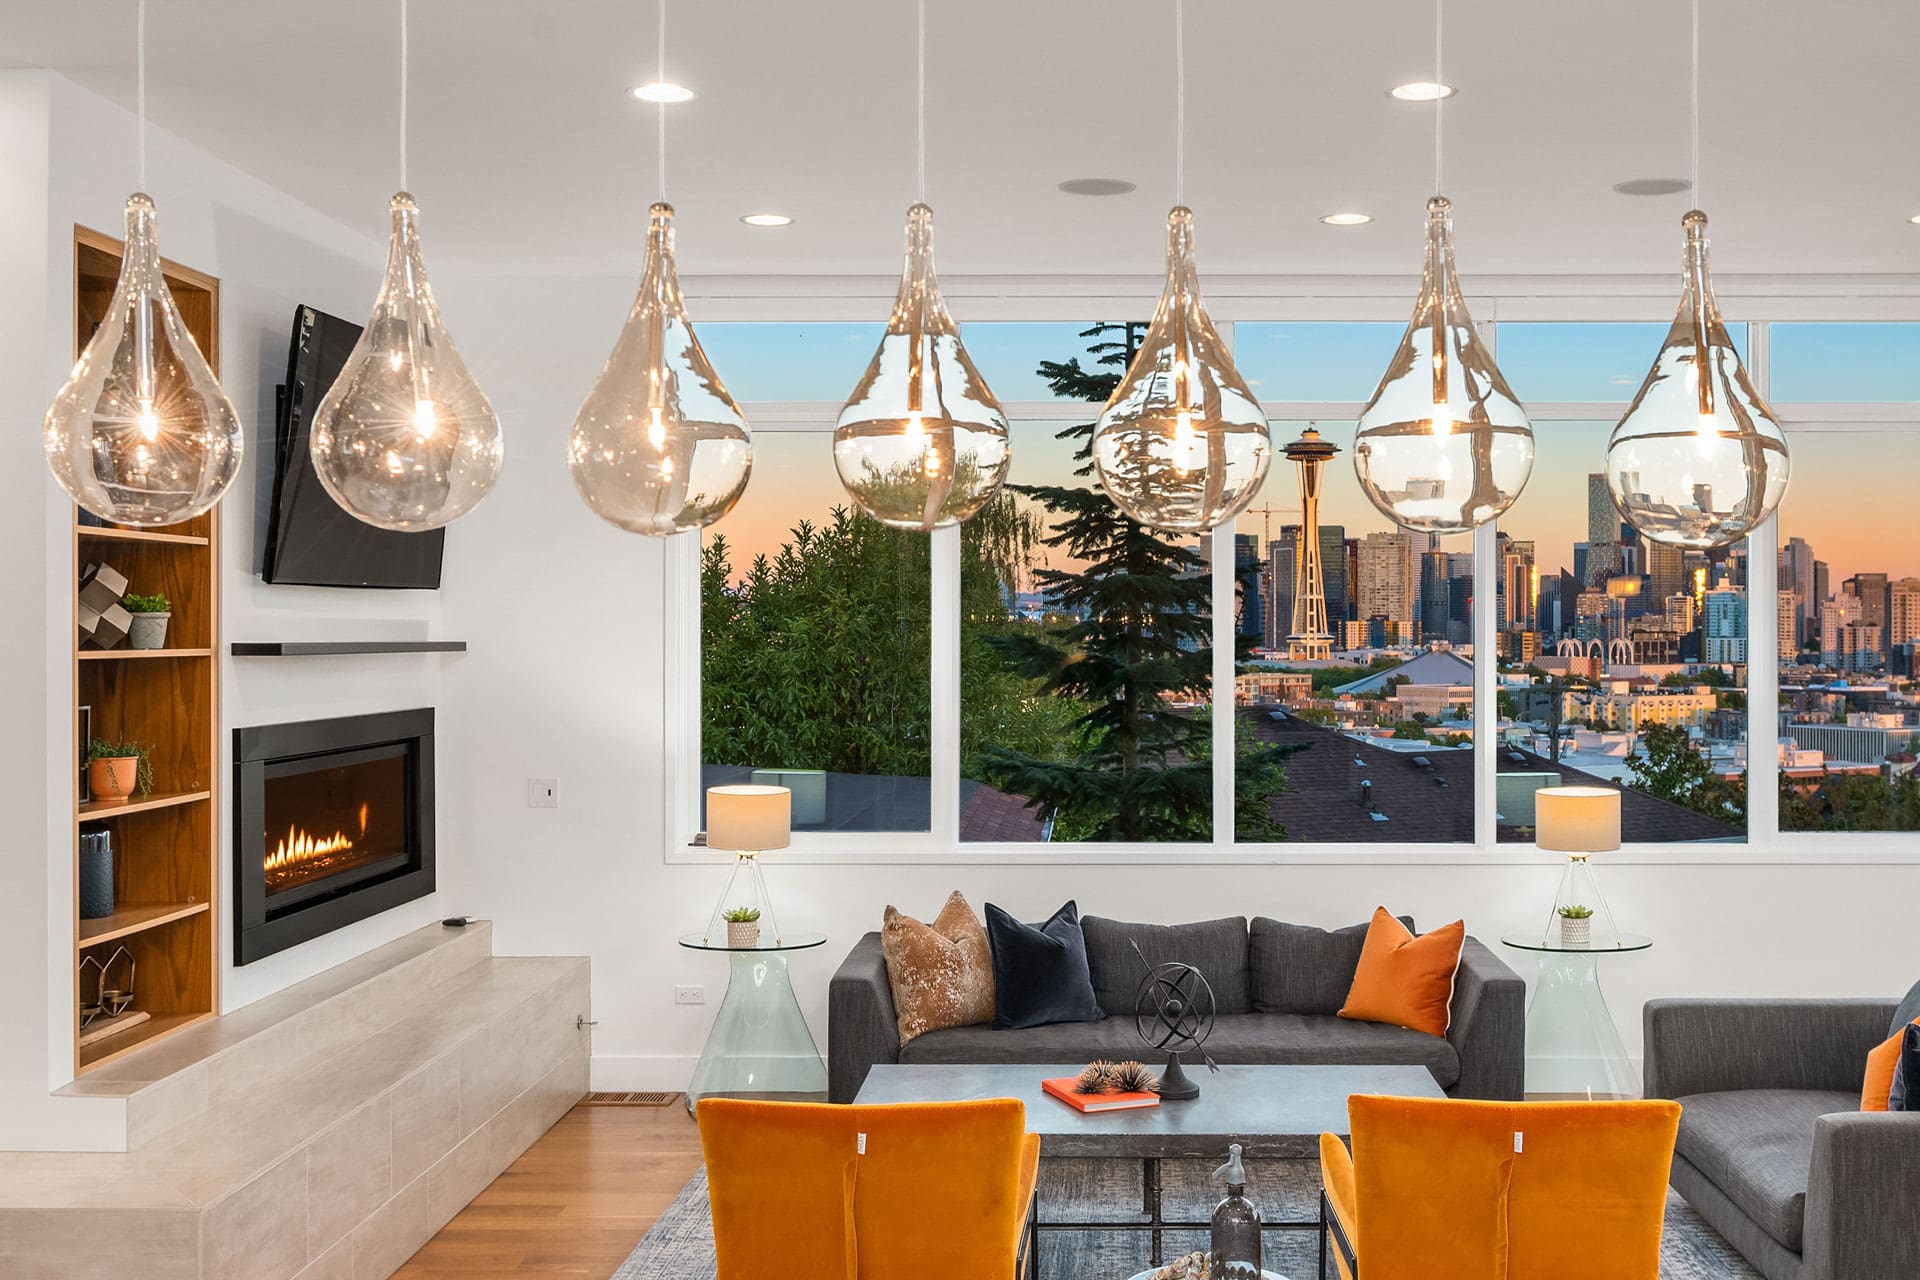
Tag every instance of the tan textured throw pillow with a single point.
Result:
(941, 973)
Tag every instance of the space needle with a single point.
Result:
(1311, 636)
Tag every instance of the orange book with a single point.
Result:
(1063, 1089)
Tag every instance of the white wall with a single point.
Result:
(71, 160)
(567, 681)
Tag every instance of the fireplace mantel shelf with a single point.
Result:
(320, 648)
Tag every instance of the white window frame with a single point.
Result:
(1755, 301)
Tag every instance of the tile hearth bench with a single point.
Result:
(323, 1133)
(1276, 1114)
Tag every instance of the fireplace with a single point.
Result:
(333, 822)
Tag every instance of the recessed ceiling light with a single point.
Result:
(1651, 186)
(1096, 186)
(1421, 91)
(767, 220)
(1347, 219)
(663, 91)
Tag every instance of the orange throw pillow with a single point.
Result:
(1881, 1064)
(1405, 980)
(941, 973)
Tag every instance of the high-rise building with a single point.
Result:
(1383, 589)
(1433, 596)
(1903, 612)
(1789, 625)
(1679, 611)
(1820, 593)
(1666, 569)
(1836, 615)
(1339, 583)
(1603, 531)
(1870, 589)
(1726, 625)
(1247, 575)
(1280, 570)
(1861, 647)
(1796, 575)
(1517, 591)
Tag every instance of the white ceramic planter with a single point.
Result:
(1576, 933)
(148, 631)
(743, 933)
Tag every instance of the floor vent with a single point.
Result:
(629, 1099)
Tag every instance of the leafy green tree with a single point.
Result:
(1410, 731)
(1672, 769)
(1852, 802)
(1132, 659)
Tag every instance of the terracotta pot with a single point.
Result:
(113, 779)
(743, 933)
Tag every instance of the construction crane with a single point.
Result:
(1266, 514)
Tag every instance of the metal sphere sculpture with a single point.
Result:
(1173, 1010)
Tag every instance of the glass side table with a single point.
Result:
(1573, 1046)
(759, 1046)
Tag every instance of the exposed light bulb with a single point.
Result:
(1442, 419)
(1182, 445)
(141, 432)
(922, 443)
(658, 446)
(429, 463)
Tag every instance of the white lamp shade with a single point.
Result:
(749, 818)
(1577, 819)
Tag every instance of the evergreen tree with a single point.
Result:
(1132, 663)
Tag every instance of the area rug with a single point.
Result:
(680, 1245)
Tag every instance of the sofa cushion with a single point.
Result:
(1040, 970)
(1756, 1146)
(1238, 1038)
(1404, 978)
(1296, 968)
(941, 974)
(1217, 948)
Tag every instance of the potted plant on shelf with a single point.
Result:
(116, 771)
(150, 615)
(1576, 925)
(743, 926)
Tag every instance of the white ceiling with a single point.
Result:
(527, 155)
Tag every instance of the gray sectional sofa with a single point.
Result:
(1277, 987)
(1774, 1151)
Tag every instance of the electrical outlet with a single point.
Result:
(543, 793)
(689, 995)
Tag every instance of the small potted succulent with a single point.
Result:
(116, 771)
(150, 615)
(1576, 925)
(743, 926)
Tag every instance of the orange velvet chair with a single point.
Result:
(806, 1191)
(1451, 1189)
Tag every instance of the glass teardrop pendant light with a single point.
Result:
(659, 446)
(141, 433)
(405, 439)
(1444, 444)
(921, 443)
(1182, 444)
(1698, 460)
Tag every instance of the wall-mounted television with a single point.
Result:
(310, 538)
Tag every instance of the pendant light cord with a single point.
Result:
(140, 88)
(660, 121)
(920, 72)
(403, 95)
(1439, 90)
(1695, 106)
(1179, 101)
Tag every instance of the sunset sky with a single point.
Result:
(1852, 494)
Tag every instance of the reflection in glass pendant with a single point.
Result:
(1182, 444)
(1443, 445)
(1697, 462)
(141, 433)
(405, 439)
(659, 446)
(922, 443)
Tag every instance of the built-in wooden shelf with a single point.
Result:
(138, 655)
(130, 920)
(160, 1024)
(322, 648)
(140, 535)
(156, 800)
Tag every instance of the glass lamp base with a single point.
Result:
(1573, 1046)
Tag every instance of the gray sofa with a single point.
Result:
(1277, 988)
(1774, 1151)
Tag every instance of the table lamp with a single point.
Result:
(747, 820)
(1579, 822)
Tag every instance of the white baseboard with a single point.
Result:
(637, 1072)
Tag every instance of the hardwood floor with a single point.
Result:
(575, 1204)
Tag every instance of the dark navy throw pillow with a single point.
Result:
(1906, 1073)
(1040, 971)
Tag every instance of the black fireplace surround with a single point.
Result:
(332, 823)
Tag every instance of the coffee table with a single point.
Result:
(1273, 1112)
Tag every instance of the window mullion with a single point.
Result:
(1763, 646)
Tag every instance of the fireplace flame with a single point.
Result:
(298, 846)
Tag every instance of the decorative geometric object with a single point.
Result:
(1173, 1011)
